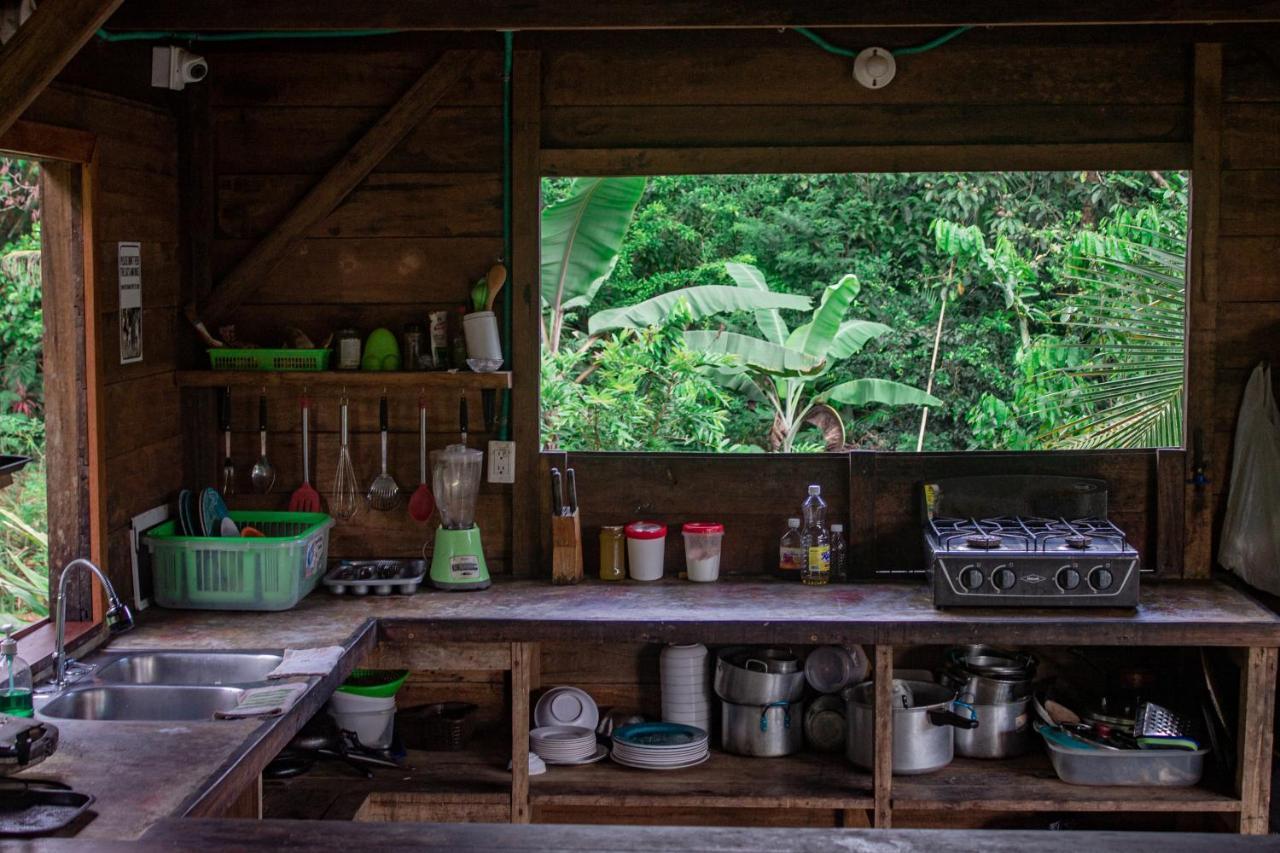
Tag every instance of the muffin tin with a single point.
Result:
(379, 577)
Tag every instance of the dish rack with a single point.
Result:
(273, 572)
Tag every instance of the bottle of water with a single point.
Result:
(817, 544)
(839, 555)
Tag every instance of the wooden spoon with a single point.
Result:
(497, 277)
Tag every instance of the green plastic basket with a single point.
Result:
(374, 683)
(269, 359)
(273, 572)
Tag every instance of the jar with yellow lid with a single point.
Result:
(613, 553)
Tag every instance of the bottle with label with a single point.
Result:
(839, 555)
(15, 679)
(613, 553)
(791, 553)
(817, 544)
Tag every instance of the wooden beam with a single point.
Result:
(882, 753)
(1255, 735)
(676, 14)
(245, 278)
(33, 140)
(42, 47)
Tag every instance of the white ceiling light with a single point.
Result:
(874, 67)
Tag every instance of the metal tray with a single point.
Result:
(379, 577)
(38, 808)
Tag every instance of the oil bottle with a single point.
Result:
(817, 544)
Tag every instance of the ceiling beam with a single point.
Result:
(42, 47)
(345, 175)
(672, 14)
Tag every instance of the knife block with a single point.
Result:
(566, 549)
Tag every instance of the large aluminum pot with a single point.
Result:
(758, 677)
(1004, 731)
(982, 690)
(923, 732)
(763, 731)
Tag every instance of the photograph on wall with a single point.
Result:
(130, 265)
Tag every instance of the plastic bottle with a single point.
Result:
(791, 553)
(15, 688)
(817, 544)
(839, 555)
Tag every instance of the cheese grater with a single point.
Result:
(1157, 727)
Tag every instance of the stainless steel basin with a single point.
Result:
(204, 668)
(140, 702)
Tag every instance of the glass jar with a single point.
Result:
(347, 342)
(411, 347)
(613, 553)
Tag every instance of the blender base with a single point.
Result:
(457, 560)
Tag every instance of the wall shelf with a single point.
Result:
(461, 380)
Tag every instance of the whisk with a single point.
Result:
(384, 493)
(346, 499)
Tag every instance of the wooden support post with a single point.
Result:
(338, 182)
(42, 47)
(1254, 738)
(882, 769)
(522, 656)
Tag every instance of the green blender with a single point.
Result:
(457, 562)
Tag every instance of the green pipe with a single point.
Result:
(911, 50)
(504, 421)
(262, 36)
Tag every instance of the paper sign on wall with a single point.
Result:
(129, 257)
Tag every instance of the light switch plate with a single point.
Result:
(502, 462)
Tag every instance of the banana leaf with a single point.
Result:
(768, 320)
(862, 392)
(814, 338)
(853, 336)
(581, 238)
(701, 302)
(754, 353)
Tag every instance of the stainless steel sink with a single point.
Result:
(140, 702)
(200, 668)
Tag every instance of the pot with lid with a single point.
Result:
(750, 676)
(981, 675)
(924, 726)
(763, 731)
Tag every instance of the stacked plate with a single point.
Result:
(566, 745)
(566, 706)
(686, 685)
(660, 746)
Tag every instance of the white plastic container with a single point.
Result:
(371, 718)
(702, 550)
(481, 332)
(646, 549)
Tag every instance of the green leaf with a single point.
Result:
(853, 336)
(582, 235)
(767, 319)
(701, 302)
(737, 380)
(862, 392)
(814, 338)
(754, 353)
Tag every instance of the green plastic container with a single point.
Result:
(274, 572)
(374, 683)
(269, 359)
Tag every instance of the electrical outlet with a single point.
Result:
(502, 462)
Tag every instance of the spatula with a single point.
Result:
(305, 498)
(383, 494)
(422, 503)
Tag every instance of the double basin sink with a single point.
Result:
(161, 686)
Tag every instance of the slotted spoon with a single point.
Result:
(423, 503)
(383, 494)
(305, 498)
(263, 475)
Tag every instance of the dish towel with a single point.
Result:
(271, 701)
(319, 661)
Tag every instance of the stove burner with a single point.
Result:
(1078, 541)
(982, 540)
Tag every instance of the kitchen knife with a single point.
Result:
(557, 495)
(571, 481)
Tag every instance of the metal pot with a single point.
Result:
(824, 726)
(1004, 731)
(923, 733)
(992, 663)
(752, 682)
(763, 731)
(982, 690)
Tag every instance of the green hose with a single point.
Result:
(911, 50)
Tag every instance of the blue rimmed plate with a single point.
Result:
(659, 736)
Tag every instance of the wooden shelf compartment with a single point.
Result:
(806, 780)
(1029, 784)
(354, 379)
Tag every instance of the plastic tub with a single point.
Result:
(646, 549)
(702, 550)
(375, 729)
(1162, 768)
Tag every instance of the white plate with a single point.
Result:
(566, 706)
(601, 752)
(684, 650)
(562, 734)
(691, 763)
(644, 755)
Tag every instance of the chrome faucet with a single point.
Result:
(118, 618)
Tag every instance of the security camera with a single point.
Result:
(175, 67)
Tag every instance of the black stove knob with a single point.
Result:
(1068, 578)
(1101, 579)
(971, 577)
(1004, 578)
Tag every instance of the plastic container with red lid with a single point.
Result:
(702, 540)
(646, 548)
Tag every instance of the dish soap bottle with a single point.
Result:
(790, 552)
(15, 689)
(817, 545)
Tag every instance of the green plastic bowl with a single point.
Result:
(374, 683)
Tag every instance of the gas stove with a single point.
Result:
(1055, 548)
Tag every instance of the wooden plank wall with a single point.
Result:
(412, 238)
(137, 199)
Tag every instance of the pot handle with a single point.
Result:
(786, 716)
(746, 664)
(950, 718)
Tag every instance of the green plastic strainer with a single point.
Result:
(374, 683)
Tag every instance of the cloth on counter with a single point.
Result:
(318, 661)
(270, 701)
